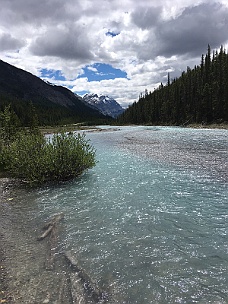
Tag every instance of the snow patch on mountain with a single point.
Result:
(105, 104)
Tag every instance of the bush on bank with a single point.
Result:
(30, 156)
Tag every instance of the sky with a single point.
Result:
(117, 48)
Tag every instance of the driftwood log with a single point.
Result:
(83, 290)
(82, 286)
(77, 290)
(51, 228)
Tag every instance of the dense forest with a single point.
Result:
(199, 95)
(48, 113)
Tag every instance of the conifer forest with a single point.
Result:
(199, 95)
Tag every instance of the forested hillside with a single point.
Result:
(199, 95)
(52, 104)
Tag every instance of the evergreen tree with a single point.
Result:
(199, 95)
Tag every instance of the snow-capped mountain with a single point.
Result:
(105, 104)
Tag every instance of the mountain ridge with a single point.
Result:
(20, 86)
(105, 104)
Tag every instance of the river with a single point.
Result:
(148, 224)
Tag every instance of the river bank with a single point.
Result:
(19, 255)
(34, 269)
(4, 273)
(79, 128)
(208, 126)
(29, 273)
(26, 274)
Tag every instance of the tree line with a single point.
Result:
(47, 113)
(199, 95)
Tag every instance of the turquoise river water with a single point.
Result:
(150, 221)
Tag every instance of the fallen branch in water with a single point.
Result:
(50, 226)
(82, 285)
(77, 290)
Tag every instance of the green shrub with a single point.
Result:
(35, 159)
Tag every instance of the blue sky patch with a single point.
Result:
(112, 34)
(54, 74)
(102, 71)
(81, 93)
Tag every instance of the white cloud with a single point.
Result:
(153, 38)
(90, 68)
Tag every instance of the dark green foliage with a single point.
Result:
(35, 159)
(9, 124)
(28, 155)
(200, 95)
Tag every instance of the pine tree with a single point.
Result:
(200, 95)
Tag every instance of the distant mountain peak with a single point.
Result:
(105, 104)
(19, 87)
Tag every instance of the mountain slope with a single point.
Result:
(106, 105)
(20, 87)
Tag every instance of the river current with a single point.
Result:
(149, 222)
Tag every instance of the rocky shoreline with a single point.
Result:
(33, 268)
(5, 296)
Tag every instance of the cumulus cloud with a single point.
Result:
(146, 18)
(146, 39)
(67, 43)
(7, 42)
(195, 28)
(38, 13)
(186, 34)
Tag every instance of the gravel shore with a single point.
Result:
(5, 296)
(24, 276)
(33, 270)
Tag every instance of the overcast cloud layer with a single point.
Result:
(146, 39)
